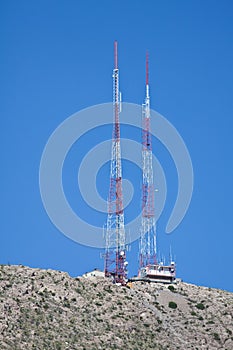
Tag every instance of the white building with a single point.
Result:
(94, 273)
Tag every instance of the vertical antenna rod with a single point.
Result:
(147, 69)
(147, 248)
(115, 254)
(115, 55)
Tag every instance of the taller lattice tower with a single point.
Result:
(115, 254)
(147, 249)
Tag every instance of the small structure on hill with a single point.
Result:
(95, 273)
(157, 273)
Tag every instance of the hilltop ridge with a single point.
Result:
(46, 309)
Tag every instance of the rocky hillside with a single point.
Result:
(45, 309)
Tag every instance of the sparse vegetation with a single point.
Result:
(172, 288)
(200, 306)
(49, 310)
(216, 336)
(172, 305)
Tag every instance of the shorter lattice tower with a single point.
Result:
(147, 249)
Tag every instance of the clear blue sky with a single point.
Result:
(57, 58)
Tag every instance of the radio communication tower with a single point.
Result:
(147, 248)
(115, 252)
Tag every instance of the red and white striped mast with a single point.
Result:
(115, 254)
(147, 248)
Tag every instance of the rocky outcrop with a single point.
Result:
(45, 309)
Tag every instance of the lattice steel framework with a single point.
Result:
(115, 254)
(147, 248)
